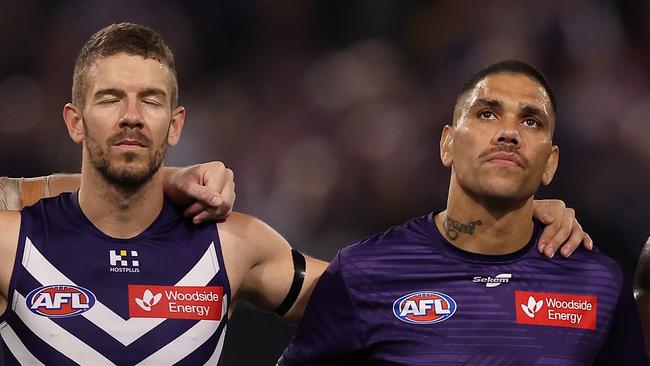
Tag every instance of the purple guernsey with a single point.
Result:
(408, 297)
(77, 296)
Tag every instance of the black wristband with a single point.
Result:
(298, 279)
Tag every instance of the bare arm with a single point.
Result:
(260, 265)
(207, 190)
(9, 229)
(642, 292)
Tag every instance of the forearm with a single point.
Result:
(61, 183)
(16, 193)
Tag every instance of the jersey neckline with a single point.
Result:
(477, 257)
(166, 216)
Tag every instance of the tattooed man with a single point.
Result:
(466, 285)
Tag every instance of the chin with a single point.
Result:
(506, 192)
(129, 175)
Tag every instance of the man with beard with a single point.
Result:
(113, 273)
(466, 285)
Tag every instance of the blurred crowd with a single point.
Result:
(330, 111)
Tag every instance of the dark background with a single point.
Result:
(330, 111)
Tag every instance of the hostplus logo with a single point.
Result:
(493, 281)
(124, 261)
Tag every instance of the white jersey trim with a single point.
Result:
(16, 347)
(182, 346)
(59, 338)
(124, 331)
(214, 359)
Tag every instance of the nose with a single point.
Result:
(131, 116)
(508, 136)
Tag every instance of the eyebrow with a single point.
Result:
(529, 110)
(152, 92)
(110, 91)
(489, 102)
(525, 109)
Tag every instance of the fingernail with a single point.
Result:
(548, 217)
(565, 252)
(215, 201)
(549, 252)
(591, 245)
(541, 247)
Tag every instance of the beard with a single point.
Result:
(125, 172)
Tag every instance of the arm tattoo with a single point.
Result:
(453, 227)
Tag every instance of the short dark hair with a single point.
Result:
(129, 38)
(509, 67)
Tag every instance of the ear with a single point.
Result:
(175, 126)
(446, 145)
(74, 122)
(551, 165)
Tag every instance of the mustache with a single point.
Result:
(130, 134)
(506, 148)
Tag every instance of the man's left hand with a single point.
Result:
(207, 190)
(562, 230)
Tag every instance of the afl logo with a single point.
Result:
(60, 301)
(424, 307)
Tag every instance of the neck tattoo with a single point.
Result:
(453, 227)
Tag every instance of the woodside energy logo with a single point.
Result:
(556, 310)
(175, 302)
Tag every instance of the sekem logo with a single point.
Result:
(424, 307)
(60, 301)
(493, 281)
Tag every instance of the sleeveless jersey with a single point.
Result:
(408, 297)
(78, 296)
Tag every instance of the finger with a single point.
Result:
(205, 195)
(200, 218)
(577, 236)
(587, 242)
(228, 195)
(214, 176)
(550, 230)
(547, 211)
(211, 214)
(562, 234)
(194, 209)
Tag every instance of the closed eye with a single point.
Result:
(151, 102)
(109, 101)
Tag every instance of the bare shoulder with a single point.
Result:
(246, 243)
(250, 232)
(9, 229)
